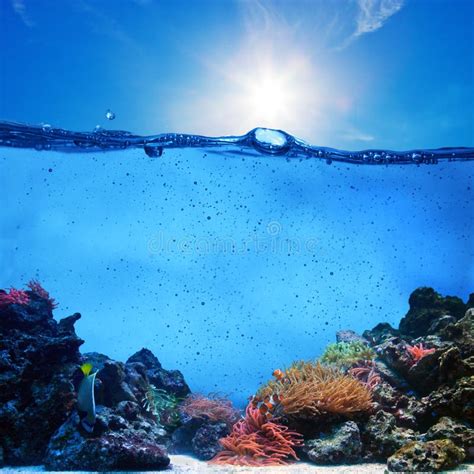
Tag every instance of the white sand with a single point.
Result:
(189, 465)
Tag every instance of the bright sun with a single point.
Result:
(269, 99)
(257, 87)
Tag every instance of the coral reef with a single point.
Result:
(404, 396)
(38, 357)
(256, 441)
(39, 375)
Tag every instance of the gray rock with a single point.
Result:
(382, 437)
(116, 444)
(170, 380)
(432, 456)
(341, 445)
(205, 443)
(38, 358)
(428, 309)
(347, 335)
(458, 432)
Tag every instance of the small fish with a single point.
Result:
(278, 374)
(276, 398)
(85, 398)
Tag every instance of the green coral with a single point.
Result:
(163, 406)
(346, 354)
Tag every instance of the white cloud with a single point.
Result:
(19, 8)
(373, 14)
(357, 135)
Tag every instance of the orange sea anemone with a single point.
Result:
(310, 389)
(256, 441)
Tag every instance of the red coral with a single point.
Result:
(14, 296)
(256, 441)
(367, 374)
(417, 352)
(214, 408)
(37, 289)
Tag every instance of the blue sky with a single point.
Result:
(353, 74)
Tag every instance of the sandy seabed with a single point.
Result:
(182, 464)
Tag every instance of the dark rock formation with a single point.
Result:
(127, 435)
(117, 443)
(39, 376)
(205, 443)
(431, 456)
(427, 311)
(459, 433)
(199, 437)
(379, 333)
(456, 401)
(408, 411)
(341, 445)
(170, 380)
(461, 333)
(382, 437)
(38, 357)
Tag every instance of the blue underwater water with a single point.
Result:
(229, 257)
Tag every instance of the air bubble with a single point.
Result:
(109, 115)
(152, 150)
(274, 142)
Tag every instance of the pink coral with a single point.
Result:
(256, 441)
(37, 289)
(14, 296)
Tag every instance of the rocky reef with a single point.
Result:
(39, 377)
(402, 395)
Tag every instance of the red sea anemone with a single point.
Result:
(367, 374)
(37, 289)
(213, 407)
(417, 352)
(14, 296)
(256, 441)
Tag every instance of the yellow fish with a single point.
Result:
(85, 398)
